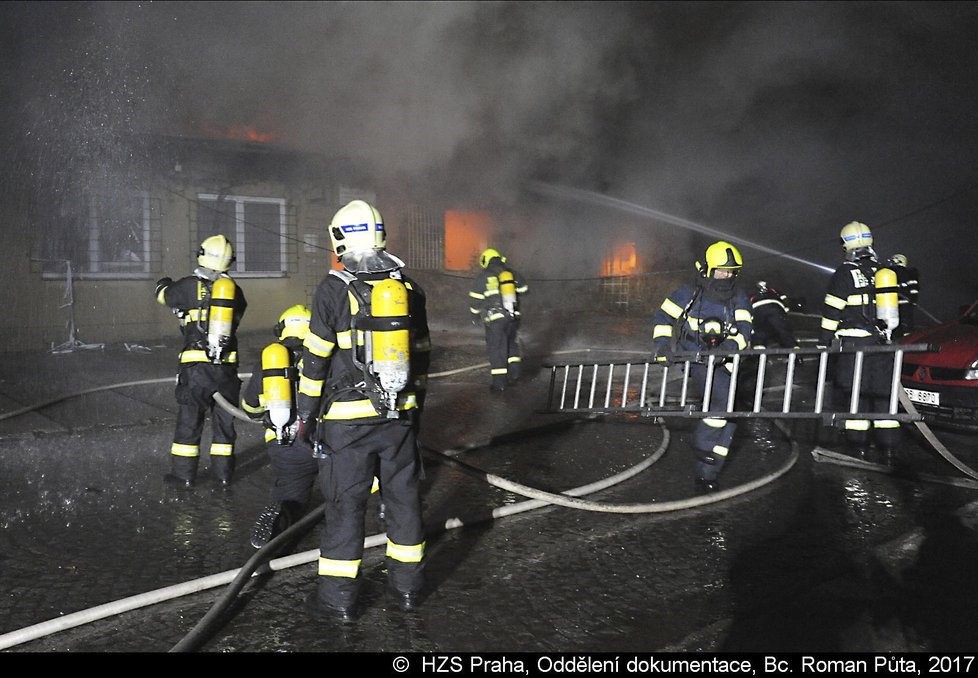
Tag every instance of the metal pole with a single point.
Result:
(708, 390)
(857, 380)
(823, 366)
(895, 381)
(789, 380)
(759, 386)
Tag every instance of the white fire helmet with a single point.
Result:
(357, 227)
(216, 253)
(856, 235)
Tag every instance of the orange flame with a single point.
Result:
(241, 133)
(623, 260)
(246, 133)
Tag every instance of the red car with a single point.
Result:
(944, 386)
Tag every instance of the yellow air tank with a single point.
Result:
(276, 387)
(507, 290)
(887, 301)
(390, 340)
(220, 317)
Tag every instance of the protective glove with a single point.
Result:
(163, 282)
(664, 354)
(305, 431)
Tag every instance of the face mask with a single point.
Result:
(719, 290)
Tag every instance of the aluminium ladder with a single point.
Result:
(658, 389)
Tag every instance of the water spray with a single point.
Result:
(607, 201)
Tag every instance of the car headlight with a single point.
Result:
(972, 372)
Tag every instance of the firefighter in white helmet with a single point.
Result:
(711, 313)
(361, 387)
(209, 306)
(495, 301)
(850, 317)
(270, 395)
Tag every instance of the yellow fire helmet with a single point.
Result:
(488, 255)
(855, 235)
(294, 322)
(723, 255)
(357, 227)
(216, 253)
(899, 260)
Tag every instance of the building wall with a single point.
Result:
(37, 314)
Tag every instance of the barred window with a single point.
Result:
(256, 227)
(101, 237)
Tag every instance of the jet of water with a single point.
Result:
(554, 191)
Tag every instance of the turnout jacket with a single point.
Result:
(329, 379)
(190, 298)
(849, 309)
(689, 318)
(485, 300)
(771, 298)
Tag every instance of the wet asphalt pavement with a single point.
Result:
(825, 558)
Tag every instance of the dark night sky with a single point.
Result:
(776, 123)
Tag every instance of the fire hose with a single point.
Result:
(238, 578)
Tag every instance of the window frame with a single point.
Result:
(82, 270)
(240, 241)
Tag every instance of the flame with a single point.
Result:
(466, 236)
(623, 260)
(246, 133)
(241, 133)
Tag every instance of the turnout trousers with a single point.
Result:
(874, 394)
(712, 436)
(196, 385)
(294, 470)
(504, 351)
(354, 454)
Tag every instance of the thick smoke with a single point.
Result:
(773, 122)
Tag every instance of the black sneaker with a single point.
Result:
(319, 610)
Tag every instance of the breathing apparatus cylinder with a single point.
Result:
(389, 339)
(507, 290)
(887, 300)
(220, 317)
(277, 388)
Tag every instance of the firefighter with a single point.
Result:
(908, 282)
(271, 396)
(495, 298)
(209, 306)
(710, 313)
(770, 318)
(849, 316)
(362, 384)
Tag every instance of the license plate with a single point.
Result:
(923, 397)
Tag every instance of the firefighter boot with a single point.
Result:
(707, 472)
(320, 608)
(273, 520)
(857, 446)
(513, 373)
(171, 480)
(406, 601)
(223, 469)
(183, 472)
